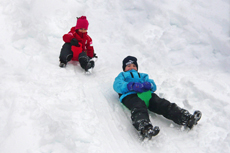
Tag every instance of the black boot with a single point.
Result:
(92, 63)
(62, 64)
(89, 65)
(85, 61)
(193, 119)
(184, 117)
(147, 130)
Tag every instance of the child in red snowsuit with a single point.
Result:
(78, 46)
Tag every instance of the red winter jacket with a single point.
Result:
(84, 40)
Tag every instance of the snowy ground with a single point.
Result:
(183, 45)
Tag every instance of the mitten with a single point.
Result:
(130, 86)
(95, 55)
(138, 87)
(147, 85)
(74, 42)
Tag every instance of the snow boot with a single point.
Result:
(85, 62)
(89, 66)
(62, 64)
(147, 130)
(92, 63)
(193, 119)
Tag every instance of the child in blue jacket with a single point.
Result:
(136, 92)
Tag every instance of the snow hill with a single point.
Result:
(183, 45)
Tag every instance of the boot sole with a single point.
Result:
(194, 119)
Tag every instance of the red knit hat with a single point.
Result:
(82, 22)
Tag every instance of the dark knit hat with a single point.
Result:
(129, 60)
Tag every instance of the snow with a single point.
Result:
(183, 45)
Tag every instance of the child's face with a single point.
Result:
(82, 30)
(130, 67)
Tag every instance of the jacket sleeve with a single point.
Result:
(69, 36)
(146, 79)
(120, 85)
(90, 49)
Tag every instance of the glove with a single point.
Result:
(74, 42)
(147, 85)
(138, 87)
(94, 55)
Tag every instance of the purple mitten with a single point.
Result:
(138, 87)
(147, 85)
(130, 86)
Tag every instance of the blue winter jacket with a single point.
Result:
(121, 81)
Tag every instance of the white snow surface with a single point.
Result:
(184, 45)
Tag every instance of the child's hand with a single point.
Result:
(95, 55)
(74, 42)
(130, 86)
(147, 85)
(138, 87)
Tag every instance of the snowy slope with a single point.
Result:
(183, 45)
